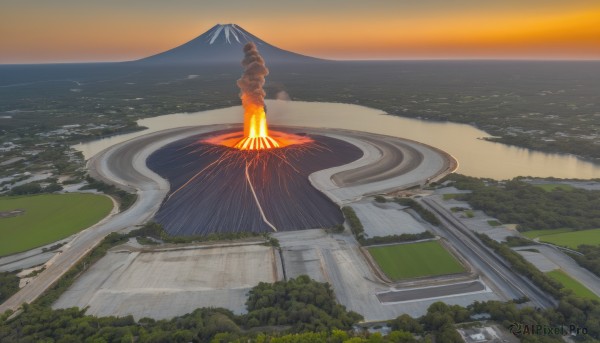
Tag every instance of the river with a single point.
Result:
(476, 157)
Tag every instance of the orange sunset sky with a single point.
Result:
(36, 31)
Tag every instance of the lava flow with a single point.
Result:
(256, 135)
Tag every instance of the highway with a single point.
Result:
(492, 266)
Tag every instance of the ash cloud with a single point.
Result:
(252, 80)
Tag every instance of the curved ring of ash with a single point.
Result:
(228, 201)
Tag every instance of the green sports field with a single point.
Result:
(567, 238)
(572, 284)
(47, 218)
(406, 261)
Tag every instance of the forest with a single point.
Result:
(531, 207)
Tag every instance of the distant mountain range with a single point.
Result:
(223, 44)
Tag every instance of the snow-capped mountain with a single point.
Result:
(223, 44)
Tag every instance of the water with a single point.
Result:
(476, 157)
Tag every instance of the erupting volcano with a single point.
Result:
(256, 135)
(256, 131)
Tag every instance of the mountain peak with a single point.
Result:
(228, 33)
(223, 44)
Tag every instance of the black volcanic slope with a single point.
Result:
(216, 196)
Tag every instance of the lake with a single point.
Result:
(476, 157)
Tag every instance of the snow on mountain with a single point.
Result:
(223, 44)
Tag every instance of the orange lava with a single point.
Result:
(256, 130)
(256, 135)
(274, 140)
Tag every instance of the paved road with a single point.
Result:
(511, 284)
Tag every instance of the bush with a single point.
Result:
(301, 302)
(355, 225)
(423, 212)
(519, 264)
(28, 188)
(380, 199)
(124, 198)
(405, 237)
(9, 285)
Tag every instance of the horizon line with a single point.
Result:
(418, 59)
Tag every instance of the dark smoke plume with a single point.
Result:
(253, 78)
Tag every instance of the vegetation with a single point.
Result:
(558, 215)
(143, 240)
(590, 259)
(572, 284)
(306, 310)
(380, 199)
(359, 233)
(549, 187)
(494, 223)
(9, 285)
(531, 207)
(35, 188)
(516, 241)
(519, 264)
(573, 239)
(411, 260)
(581, 313)
(297, 305)
(422, 211)
(355, 225)
(405, 237)
(124, 198)
(449, 196)
(301, 303)
(538, 233)
(156, 231)
(48, 218)
(566, 237)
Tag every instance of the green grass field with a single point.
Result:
(572, 284)
(48, 218)
(494, 223)
(549, 187)
(539, 233)
(406, 261)
(574, 238)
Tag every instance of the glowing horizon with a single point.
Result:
(70, 31)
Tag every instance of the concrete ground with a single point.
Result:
(540, 261)
(479, 223)
(337, 259)
(166, 283)
(384, 219)
(163, 283)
